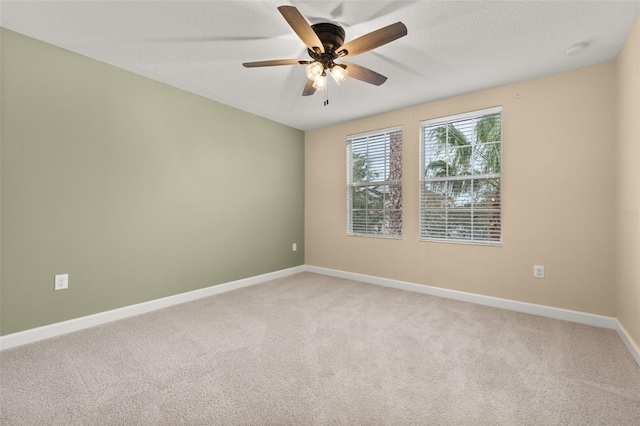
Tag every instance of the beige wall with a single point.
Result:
(627, 198)
(558, 164)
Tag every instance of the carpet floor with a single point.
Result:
(315, 350)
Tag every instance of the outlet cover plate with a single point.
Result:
(61, 282)
(538, 271)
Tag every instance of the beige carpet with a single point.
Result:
(310, 349)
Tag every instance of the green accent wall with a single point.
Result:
(136, 189)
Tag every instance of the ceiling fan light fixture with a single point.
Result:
(325, 44)
(314, 69)
(320, 82)
(339, 74)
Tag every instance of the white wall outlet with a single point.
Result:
(62, 282)
(538, 271)
(294, 247)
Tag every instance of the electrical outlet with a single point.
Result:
(61, 282)
(294, 247)
(538, 271)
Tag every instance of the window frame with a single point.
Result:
(444, 120)
(351, 184)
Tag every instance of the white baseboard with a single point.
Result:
(76, 324)
(628, 342)
(512, 305)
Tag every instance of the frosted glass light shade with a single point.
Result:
(320, 82)
(339, 74)
(314, 69)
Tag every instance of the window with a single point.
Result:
(460, 183)
(374, 183)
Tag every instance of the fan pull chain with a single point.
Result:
(326, 96)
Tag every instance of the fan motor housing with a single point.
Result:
(331, 35)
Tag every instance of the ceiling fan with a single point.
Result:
(325, 45)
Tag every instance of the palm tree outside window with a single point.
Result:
(461, 178)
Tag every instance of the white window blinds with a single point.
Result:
(374, 183)
(461, 164)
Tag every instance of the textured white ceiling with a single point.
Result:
(452, 47)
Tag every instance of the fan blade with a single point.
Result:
(372, 40)
(364, 74)
(300, 25)
(275, 63)
(308, 88)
